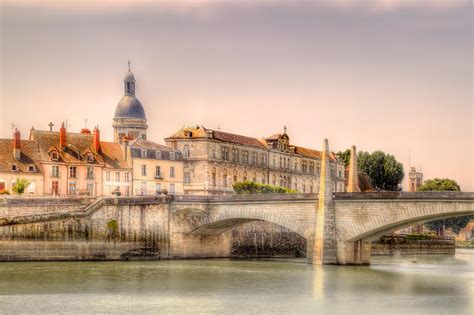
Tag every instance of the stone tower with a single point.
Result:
(129, 118)
(353, 180)
(415, 180)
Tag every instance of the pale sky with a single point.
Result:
(394, 75)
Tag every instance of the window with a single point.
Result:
(281, 162)
(15, 167)
(90, 172)
(274, 180)
(72, 171)
(90, 157)
(296, 165)
(172, 171)
(296, 184)
(245, 156)
(117, 176)
(224, 177)
(157, 171)
(340, 173)
(143, 170)
(254, 157)
(235, 155)
(143, 154)
(127, 191)
(127, 176)
(311, 186)
(318, 168)
(31, 168)
(72, 188)
(143, 189)
(90, 188)
(303, 186)
(172, 189)
(213, 153)
(107, 176)
(32, 188)
(55, 187)
(244, 177)
(157, 188)
(54, 156)
(264, 159)
(235, 176)
(304, 166)
(263, 178)
(186, 152)
(172, 156)
(274, 162)
(213, 177)
(187, 178)
(254, 177)
(225, 153)
(157, 155)
(311, 167)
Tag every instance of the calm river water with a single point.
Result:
(403, 285)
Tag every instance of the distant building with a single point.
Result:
(415, 180)
(76, 163)
(129, 119)
(156, 168)
(216, 159)
(20, 159)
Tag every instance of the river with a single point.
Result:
(391, 285)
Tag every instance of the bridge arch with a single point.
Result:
(381, 218)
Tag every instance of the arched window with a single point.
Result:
(235, 176)
(303, 186)
(263, 178)
(296, 184)
(281, 181)
(254, 177)
(274, 180)
(311, 189)
(244, 176)
(214, 177)
(224, 177)
(186, 152)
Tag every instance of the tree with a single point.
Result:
(345, 156)
(437, 184)
(444, 184)
(248, 187)
(385, 172)
(20, 186)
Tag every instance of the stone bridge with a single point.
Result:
(338, 227)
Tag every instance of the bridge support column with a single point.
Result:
(324, 249)
(353, 253)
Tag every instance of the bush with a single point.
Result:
(20, 186)
(4, 192)
(248, 187)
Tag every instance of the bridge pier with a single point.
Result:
(353, 253)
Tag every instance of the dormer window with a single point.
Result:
(143, 153)
(15, 168)
(90, 157)
(54, 156)
(31, 168)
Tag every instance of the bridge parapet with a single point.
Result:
(454, 195)
(243, 198)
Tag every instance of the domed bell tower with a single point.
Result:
(129, 119)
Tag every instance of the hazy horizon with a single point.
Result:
(390, 75)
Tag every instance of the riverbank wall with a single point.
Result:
(403, 245)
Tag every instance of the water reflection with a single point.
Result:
(423, 284)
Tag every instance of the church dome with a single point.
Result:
(129, 107)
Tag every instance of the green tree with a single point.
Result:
(444, 184)
(344, 156)
(20, 186)
(248, 187)
(385, 172)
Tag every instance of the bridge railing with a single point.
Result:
(244, 197)
(406, 195)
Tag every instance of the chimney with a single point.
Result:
(17, 144)
(62, 137)
(96, 140)
(125, 147)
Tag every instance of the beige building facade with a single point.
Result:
(214, 160)
(156, 168)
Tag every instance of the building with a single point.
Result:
(20, 159)
(415, 180)
(156, 168)
(215, 160)
(129, 119)
(76, 163)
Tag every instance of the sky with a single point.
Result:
(390, 75)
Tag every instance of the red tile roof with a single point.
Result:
(29, 156)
